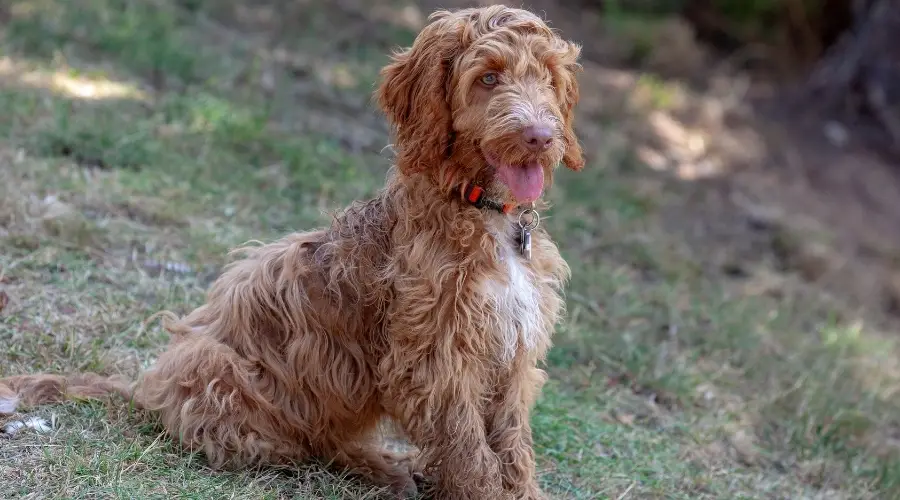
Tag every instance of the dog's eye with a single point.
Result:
(489, 79)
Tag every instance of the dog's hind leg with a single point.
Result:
(371, 460)
(213, 400)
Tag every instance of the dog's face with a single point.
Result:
(487, 96)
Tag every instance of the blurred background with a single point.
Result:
(732, 318)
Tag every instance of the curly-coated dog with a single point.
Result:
(430, 304)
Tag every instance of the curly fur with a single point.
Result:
(414, 305)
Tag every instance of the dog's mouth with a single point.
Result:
(524, 181)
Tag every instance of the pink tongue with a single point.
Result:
(525, 182)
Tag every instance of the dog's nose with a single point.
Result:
(537, 137)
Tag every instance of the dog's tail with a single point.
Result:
(33, 390)
(44, 388)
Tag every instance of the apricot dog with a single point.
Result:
(424, 305)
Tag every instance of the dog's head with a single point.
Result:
(485, 95)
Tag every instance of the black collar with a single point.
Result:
(474, 194)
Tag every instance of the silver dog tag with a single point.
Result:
(525, 243)
(526, 227)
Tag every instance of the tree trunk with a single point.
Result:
(861, 72)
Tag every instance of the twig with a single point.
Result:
(627, 491)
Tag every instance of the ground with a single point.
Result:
(732, 316)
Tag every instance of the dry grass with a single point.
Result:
(668, 380)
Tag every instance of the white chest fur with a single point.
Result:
(516, 304)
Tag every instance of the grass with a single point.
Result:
(147, 135)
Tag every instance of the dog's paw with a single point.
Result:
(408, 467)
(410, 461)
(406, 488)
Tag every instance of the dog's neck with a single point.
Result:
(476, 196)
(497, 216)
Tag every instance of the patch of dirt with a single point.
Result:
(848, 193)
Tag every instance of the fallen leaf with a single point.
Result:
(37, 424)
(67, 310)
(625, 418)
(744, 445)
(4, 300)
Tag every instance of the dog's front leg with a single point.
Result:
(439, 402)
(509, 431)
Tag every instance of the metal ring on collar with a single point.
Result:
(533, 223)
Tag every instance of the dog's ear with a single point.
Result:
(414, 94)
(573, 157)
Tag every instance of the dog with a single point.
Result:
(430, 304)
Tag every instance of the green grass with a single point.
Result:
(667, 380)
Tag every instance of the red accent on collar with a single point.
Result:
(475, 195)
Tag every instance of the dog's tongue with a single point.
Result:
(525, 182)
